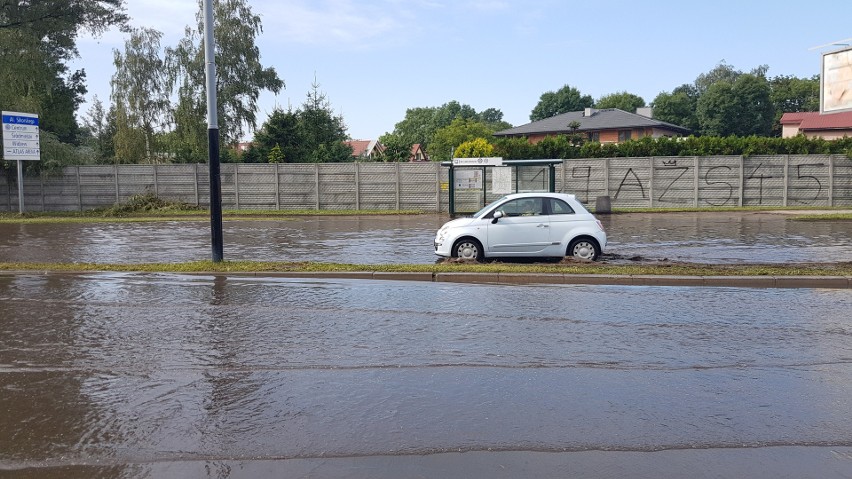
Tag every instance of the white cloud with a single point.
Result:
(167, 16)
(170, 17)
(346, 23)
(488, 5)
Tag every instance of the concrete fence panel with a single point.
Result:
(841, 181)
(659, 182)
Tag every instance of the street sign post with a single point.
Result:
(20, 143)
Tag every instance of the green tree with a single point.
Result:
(60, 21)
(396, 149)
(678, 107)
(720, 73)
(515, 148)
(621, 100)
(564, 100)
(239, 74)
(420, 124)
(458, 132)
(740, 108)
(476, 148)
(448, 112)
(311, 134)
(756, 111)
(281, 129)
(140, 87)
(715, 107)
(37, 40)
(492, 116)
(99, 130)
(129, 140)
(322, 130)
(417, 126)
(275, 155)
(792, 94)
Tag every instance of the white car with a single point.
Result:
(524, 225)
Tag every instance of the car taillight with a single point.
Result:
(600, 225)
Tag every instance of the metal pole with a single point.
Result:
(484, 188)
(517, 176)
(79, 190)
(20, 187)
(317, 185)
(438, 186)
(786, 179)
(651, 183)
(831, 180)
(452, 199)
(213, 137)
(398, 179)
(277, 186)
(742, 181)
(357, 185)
(552, 183)
(695, 179)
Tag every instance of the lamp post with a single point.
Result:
(213, 136)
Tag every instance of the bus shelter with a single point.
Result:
(475, 182)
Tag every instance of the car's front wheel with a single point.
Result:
(468, 248)
(585, 249)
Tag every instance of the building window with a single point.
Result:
(595, 136)
(623, 135)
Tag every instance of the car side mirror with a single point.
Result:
(497, 216)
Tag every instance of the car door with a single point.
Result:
(524, 230)
(563, 219)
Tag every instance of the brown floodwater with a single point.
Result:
(716, 238)
(161, 375)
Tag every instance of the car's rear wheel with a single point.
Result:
(468, 248)
(584, 248)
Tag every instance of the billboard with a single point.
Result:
(836, 81)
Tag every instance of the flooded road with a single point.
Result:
(729, 238)
(715, 238)
(126, 375)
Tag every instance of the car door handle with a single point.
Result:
(542, 225)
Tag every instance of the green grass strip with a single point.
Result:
(674, 269)
(187, 215)
(824, 217)
(726, 209)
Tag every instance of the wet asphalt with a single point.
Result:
(710, 238)
(161, 375)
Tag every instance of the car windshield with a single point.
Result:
(481, 212)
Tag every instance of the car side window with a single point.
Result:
(559, 207)
(523, 207)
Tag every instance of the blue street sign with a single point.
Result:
(20, 120)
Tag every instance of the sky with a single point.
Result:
(374, 59)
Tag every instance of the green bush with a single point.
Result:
(147, 203)
(562, 147)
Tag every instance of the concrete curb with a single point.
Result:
(818, 282)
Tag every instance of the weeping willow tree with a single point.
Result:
(240, 79)
(140, 97)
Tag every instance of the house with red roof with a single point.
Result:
(366, 149)
(813, 124)
(418, 153)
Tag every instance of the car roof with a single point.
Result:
(540, 194)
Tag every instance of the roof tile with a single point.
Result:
(606, 119)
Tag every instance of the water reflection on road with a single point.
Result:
(729, 237)
(121, 374)
(690, 237)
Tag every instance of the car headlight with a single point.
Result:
(442, 233)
